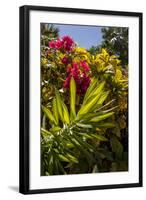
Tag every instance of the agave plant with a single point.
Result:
(74, 134)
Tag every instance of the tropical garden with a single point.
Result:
(84, 103)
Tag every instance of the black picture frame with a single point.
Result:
(24, 98)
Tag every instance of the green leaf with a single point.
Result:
(55, 111)
(100, 101)
(88, 107)
(65, 113)
(56, 168)
(55, 129)
(85, 117)
(101, 117)
(72, 158)
(105, 125)
(84, 125)
(72, 98)
(99, 137)
(50, 164)
(59, 105)
(49, 114)
(89, 90)
(102, 98)
(97, 90)
(94, 98)
(93, 135)
(45, 133)
(117, 147)
(88, 155)
(60, 166)
(63, 158)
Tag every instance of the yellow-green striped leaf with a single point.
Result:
(59, 105)
(45, 133)
(63, 158)
(65, 113)
(103, 97)
(72, 98)
(95, 91)
(55, 129)
(99, 137)
(87, 107)
(49, 114)
(105, 125)
(55, 111)
(71, 158)
(101, 117)
(99, 88)
(92, 86)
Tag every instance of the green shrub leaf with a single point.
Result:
(72, 98)
(49, 114)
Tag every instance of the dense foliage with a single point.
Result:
(84, 97)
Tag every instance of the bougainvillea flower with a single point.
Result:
(65, 60)
(69, 68)
(58, 44)
(68, 43)
(52, 44)
(85, 66)
(66, 82)
(80, 75)
(65, 43)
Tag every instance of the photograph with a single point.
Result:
(80, 99)
(84, 99)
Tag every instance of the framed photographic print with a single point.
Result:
(80, 99)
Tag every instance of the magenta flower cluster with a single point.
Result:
(65, 43)
(80, 72)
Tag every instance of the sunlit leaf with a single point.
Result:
(55, 111)
(59, 105)
(102, 117)
(55, 129)
(72, 98)
(49, 114)
(89, 90)
(99, 137)
(65, 113)
(63, 158)
(45, 133)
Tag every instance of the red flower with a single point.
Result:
(65, 60)
(52, 44)
(66, 82)
(80, 75)
(58, 44)
(68, 43)
(85, 66)
(69, 68)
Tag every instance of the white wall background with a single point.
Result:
(9, 99)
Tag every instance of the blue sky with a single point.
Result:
(85, 36)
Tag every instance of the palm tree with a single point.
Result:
(49, 30)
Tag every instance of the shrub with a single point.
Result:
(84, 110)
